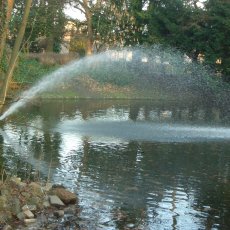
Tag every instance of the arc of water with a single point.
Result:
(49, 81)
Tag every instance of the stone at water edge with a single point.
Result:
(29, 221)
(46, 204)
(66, 196)
(36, 189)
(29, 207)
(28, 214)
(55, 201)
(59, 213)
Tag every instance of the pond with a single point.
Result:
(134, 164)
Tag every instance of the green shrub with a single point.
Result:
(31, 70)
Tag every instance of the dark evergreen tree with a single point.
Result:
(217, 33)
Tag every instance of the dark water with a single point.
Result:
(133, 164)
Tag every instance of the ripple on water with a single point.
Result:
(173, 209)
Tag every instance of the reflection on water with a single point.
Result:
(133, 164)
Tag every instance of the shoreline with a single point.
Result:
(28, 204)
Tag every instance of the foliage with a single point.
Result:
(218, 30)
(78, 45)
(117, 24)
(46, 28)
(192, 29)
(29, 71)
(182, 24)
(4, 62)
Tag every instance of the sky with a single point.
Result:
(74, 13)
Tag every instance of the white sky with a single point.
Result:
(201, 3)
(74, 13)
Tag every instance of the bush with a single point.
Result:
(33, 66)
(30, 70)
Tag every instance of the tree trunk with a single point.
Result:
(15, 52)
(10, 4)
(90, 36)
(88, 15)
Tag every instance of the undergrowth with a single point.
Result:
(31, 70)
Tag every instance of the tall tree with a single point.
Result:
(55, 20)
(174, 22)
(112, 22)
(193, 29)
(88, 8)
(4, 22)
(217, 46)
(15, 52)
(46, 28)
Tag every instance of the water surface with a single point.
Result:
(134, 164)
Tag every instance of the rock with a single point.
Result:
(36, 189)
(7, 227)
(66, 196)
(28, 214)
(29, 221)
(15, 180)
(30, 207)
(52, 226)
(46, 204)
(21, 216)
(59, 213)
(55, 201)
(130, 225)
(25, 207)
